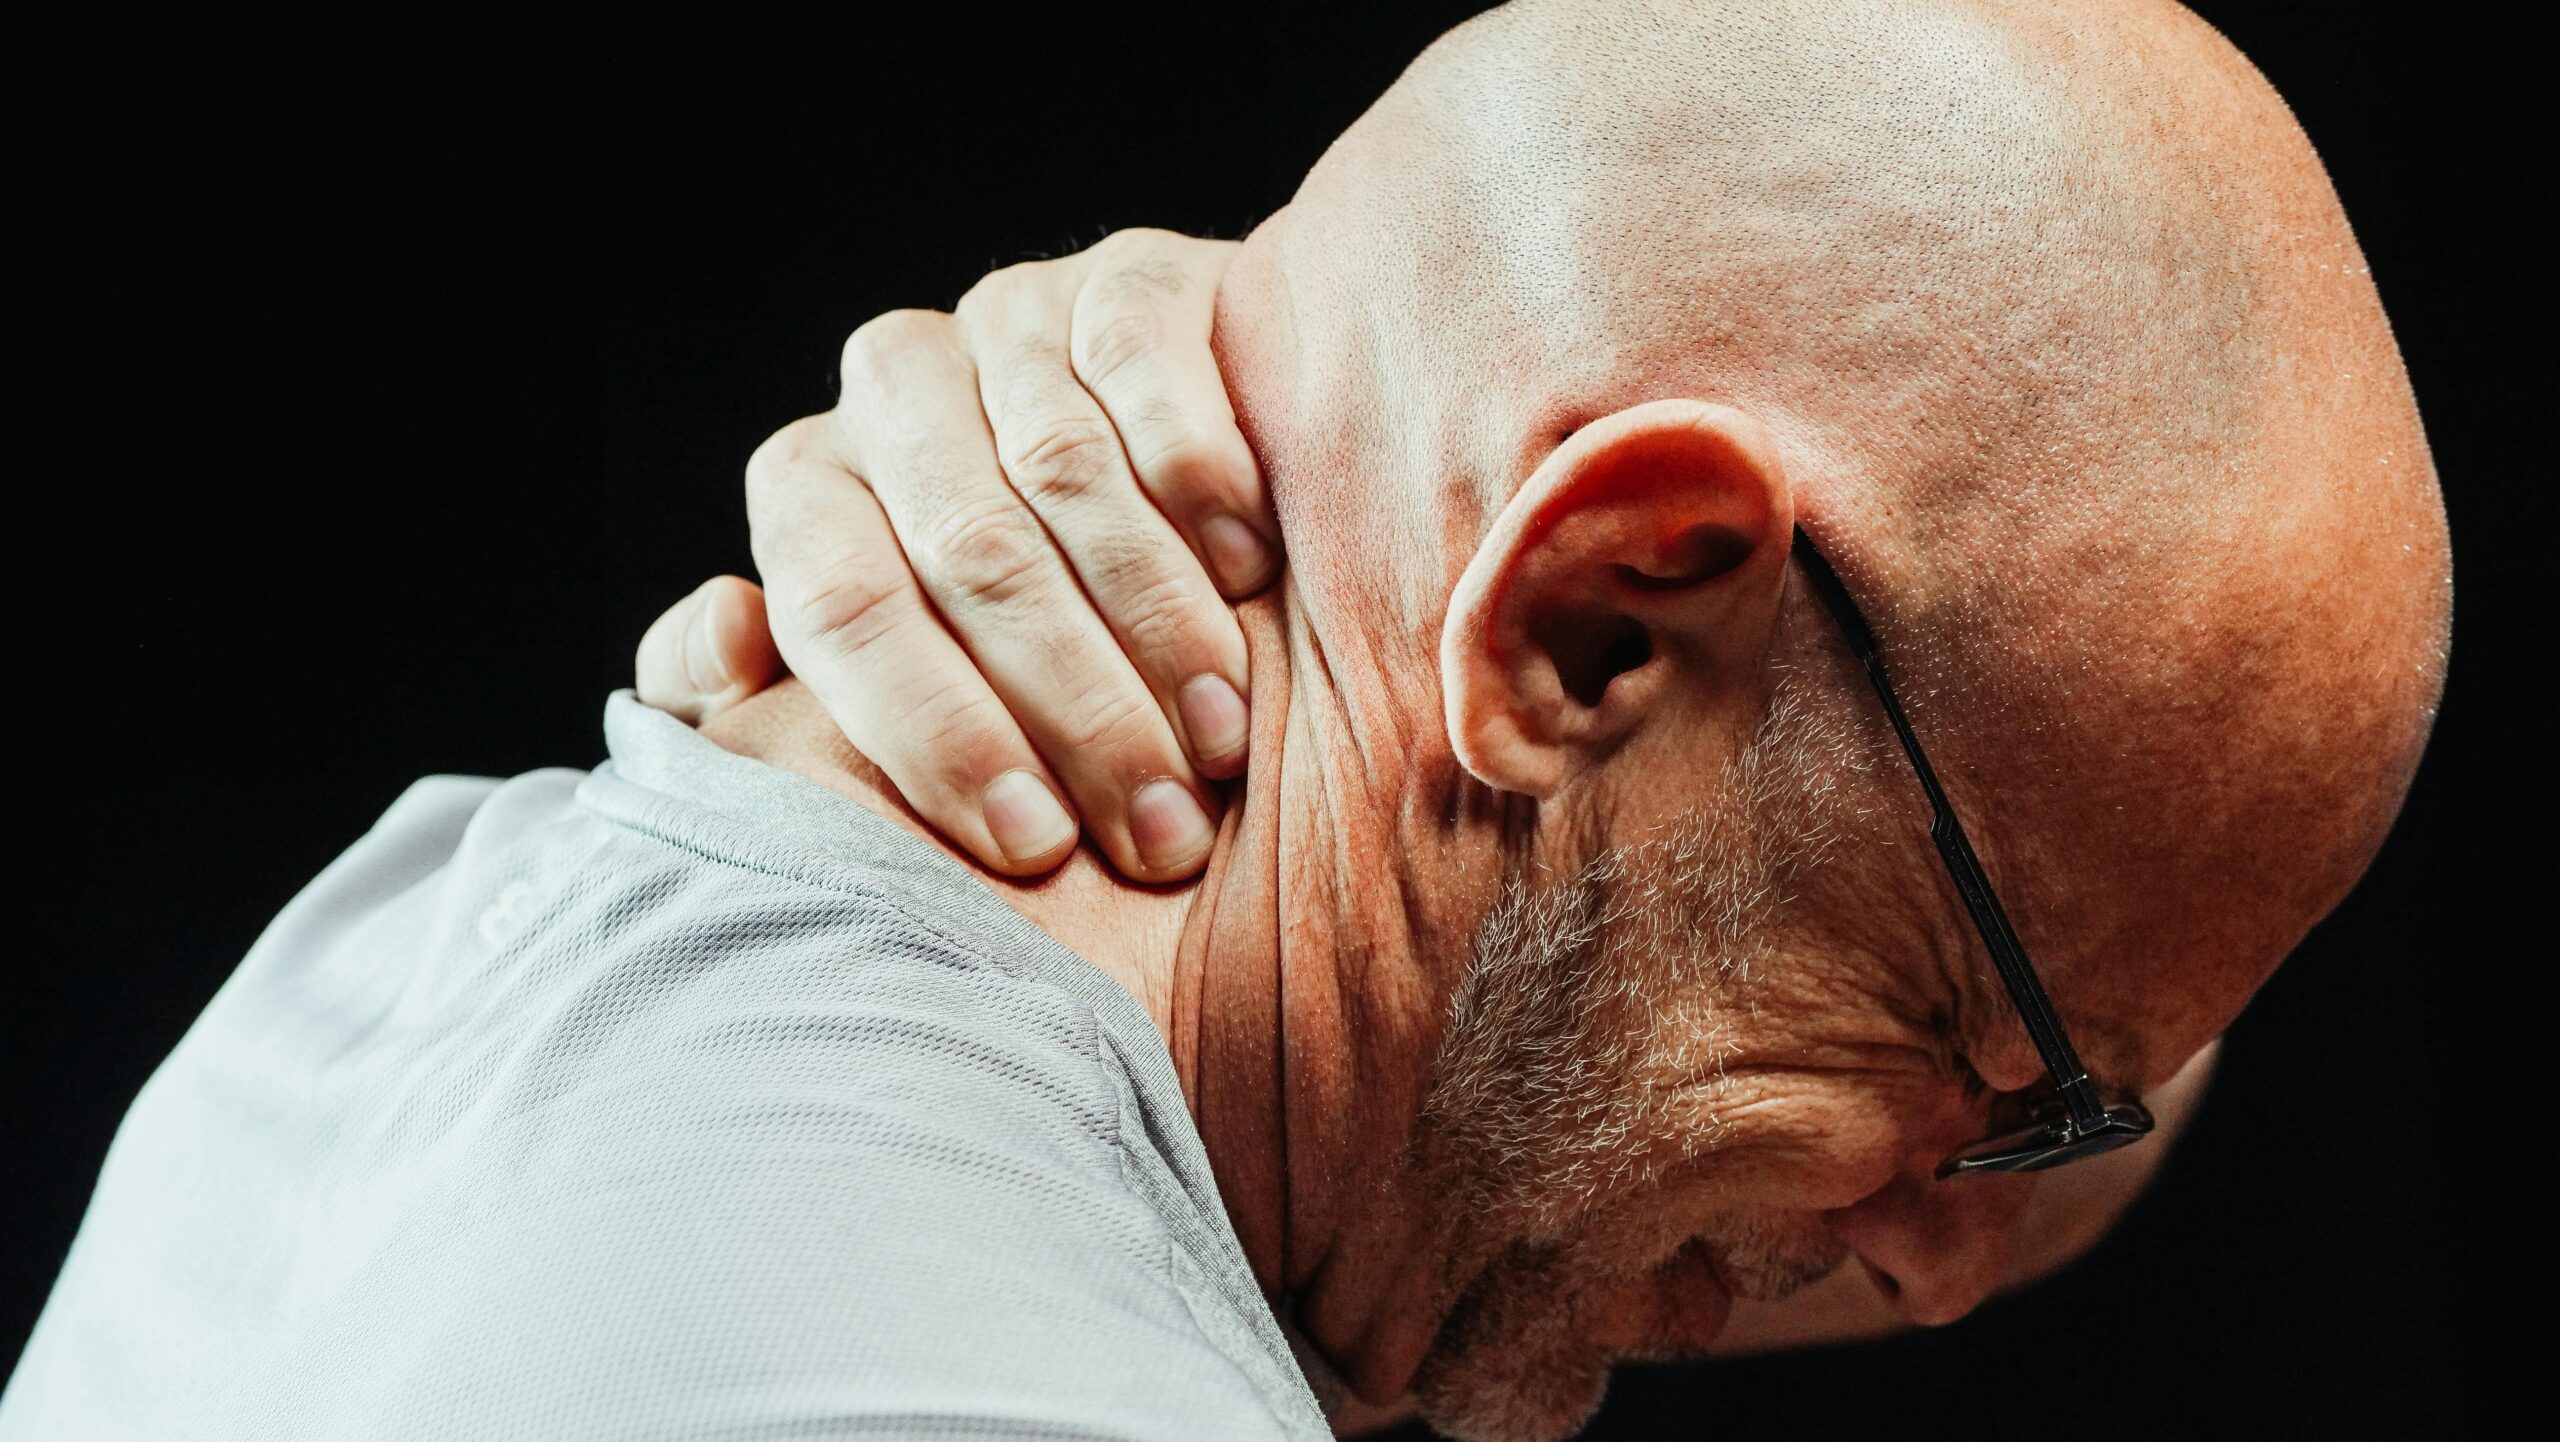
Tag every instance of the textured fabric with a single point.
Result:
(683, 1099)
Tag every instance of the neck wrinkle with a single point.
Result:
(1227, 1021)
(1303, 1028)
(1282, 1035)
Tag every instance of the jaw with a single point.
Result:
(1527, 1351)
(1438, 1275)
(1376, 1302)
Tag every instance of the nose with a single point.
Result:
(1935, 1249)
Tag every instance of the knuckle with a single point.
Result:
(997, 293)
(1156, 618)
(847, 607)
(1062, 460)
(1117, 245)
(775, 471)
(1115, 342)
(875, 348)
(1139, 246)
(778, 452)
(949, 723)
(1149, 601)
(1108, 721)
(989, 552)
(1141, 275)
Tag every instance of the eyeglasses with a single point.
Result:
(2064, 1120)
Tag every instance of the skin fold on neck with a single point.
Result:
(1301, 1034)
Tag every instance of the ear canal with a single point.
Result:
(1590, 648)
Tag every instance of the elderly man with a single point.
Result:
(1714, 449)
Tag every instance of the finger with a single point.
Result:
(859, 632)
(1140, 345)
(1063, 457)
(919, 439)
(709, 652)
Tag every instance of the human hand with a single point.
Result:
(992, 562)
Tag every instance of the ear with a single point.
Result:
(1636, 575)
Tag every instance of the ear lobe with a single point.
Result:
(1636, 573)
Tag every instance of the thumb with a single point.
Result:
(710, 651)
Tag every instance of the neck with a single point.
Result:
(1301, 1031)
(1299, 986)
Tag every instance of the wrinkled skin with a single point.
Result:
(1569, 964)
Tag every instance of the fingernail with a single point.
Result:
(1169, 827)
(1213, 715)
(702, 668)
(1237, 552)
(1025, 817)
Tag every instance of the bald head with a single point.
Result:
(2045, 326)
(2067, 357)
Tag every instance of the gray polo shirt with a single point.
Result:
(681, 1099)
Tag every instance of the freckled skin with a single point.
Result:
(2050, 329)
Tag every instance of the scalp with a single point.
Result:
(2077, 372)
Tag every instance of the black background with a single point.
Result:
(394, 378)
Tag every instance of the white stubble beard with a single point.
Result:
(1544, 1117)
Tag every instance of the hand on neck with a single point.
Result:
(1127, 931)
(1291, 981)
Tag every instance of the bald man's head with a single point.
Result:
(2064, 345)
(2044, 322)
